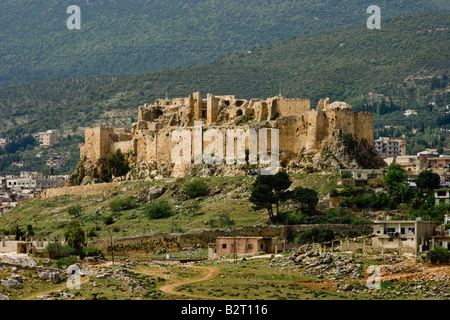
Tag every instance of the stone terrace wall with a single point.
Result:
(176, 242)
(86, 190)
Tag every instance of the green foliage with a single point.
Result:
(307, 198)
(92, 234)
(159, 209)
(315, 235)
(117, 163)
(91, 252)
(170, 30)
(195, 189)
(108, 220)
(428, 180)
(75, 236)
(396, 182)
(75, 210)
(223, 222)
(57, 250)
(438, 255)
(123, 204)
(65, 262)
(269, 191)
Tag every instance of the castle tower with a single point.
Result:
(212, 109)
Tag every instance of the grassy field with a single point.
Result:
(50, 216)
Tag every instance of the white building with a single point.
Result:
(410, 112)
(404, 236)
(48, 138)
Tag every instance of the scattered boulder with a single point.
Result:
(11, 284)
(54, 277)
(347, 288)
(155, 193)
(3, 297)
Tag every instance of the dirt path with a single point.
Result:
(171, 287)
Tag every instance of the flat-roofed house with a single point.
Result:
(404, 236)
(242, 246)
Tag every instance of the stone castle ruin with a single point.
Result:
(304, 133)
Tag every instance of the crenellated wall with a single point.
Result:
(300, 127)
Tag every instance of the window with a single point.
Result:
(262, 246)
(224, 245)
(388, 230)
(250, 246)
(411, 230)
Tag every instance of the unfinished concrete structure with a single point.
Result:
(242, 246)
(403, 236)
(300, 127)
(25, 245)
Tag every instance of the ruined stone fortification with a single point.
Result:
(302, 130)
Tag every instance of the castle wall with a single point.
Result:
(364, 126)
(212, 111)
(97, 143)
(288, 107)
(299, 127)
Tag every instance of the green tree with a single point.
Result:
(307, 198)
(195, 189)
(428, 180)
(269, 191)
(438, 255)
(159, 209)
(75, 210)
(396, 182)
(75, 236)
(118, 164)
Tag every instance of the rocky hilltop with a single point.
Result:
(223, 135)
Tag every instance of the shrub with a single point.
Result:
(57, 250)
(90, 252)
(118, 165)
(438, 255)
(66, 262)
(195, 189)
(123, 204)
(75, 210)
(108, 220)
(92, 233)
(159, 209)
(315, 235)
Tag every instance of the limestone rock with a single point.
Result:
(155, 193)
(11, 284)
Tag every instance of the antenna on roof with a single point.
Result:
(279, 94)
(167, 94)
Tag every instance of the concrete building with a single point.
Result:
(442, 237)
(34, 181)
(403, 236)
(48, 138)
(242, 246)
(25, 245)
(388, 147)
(410, 112)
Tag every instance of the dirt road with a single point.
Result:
(171, 287)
